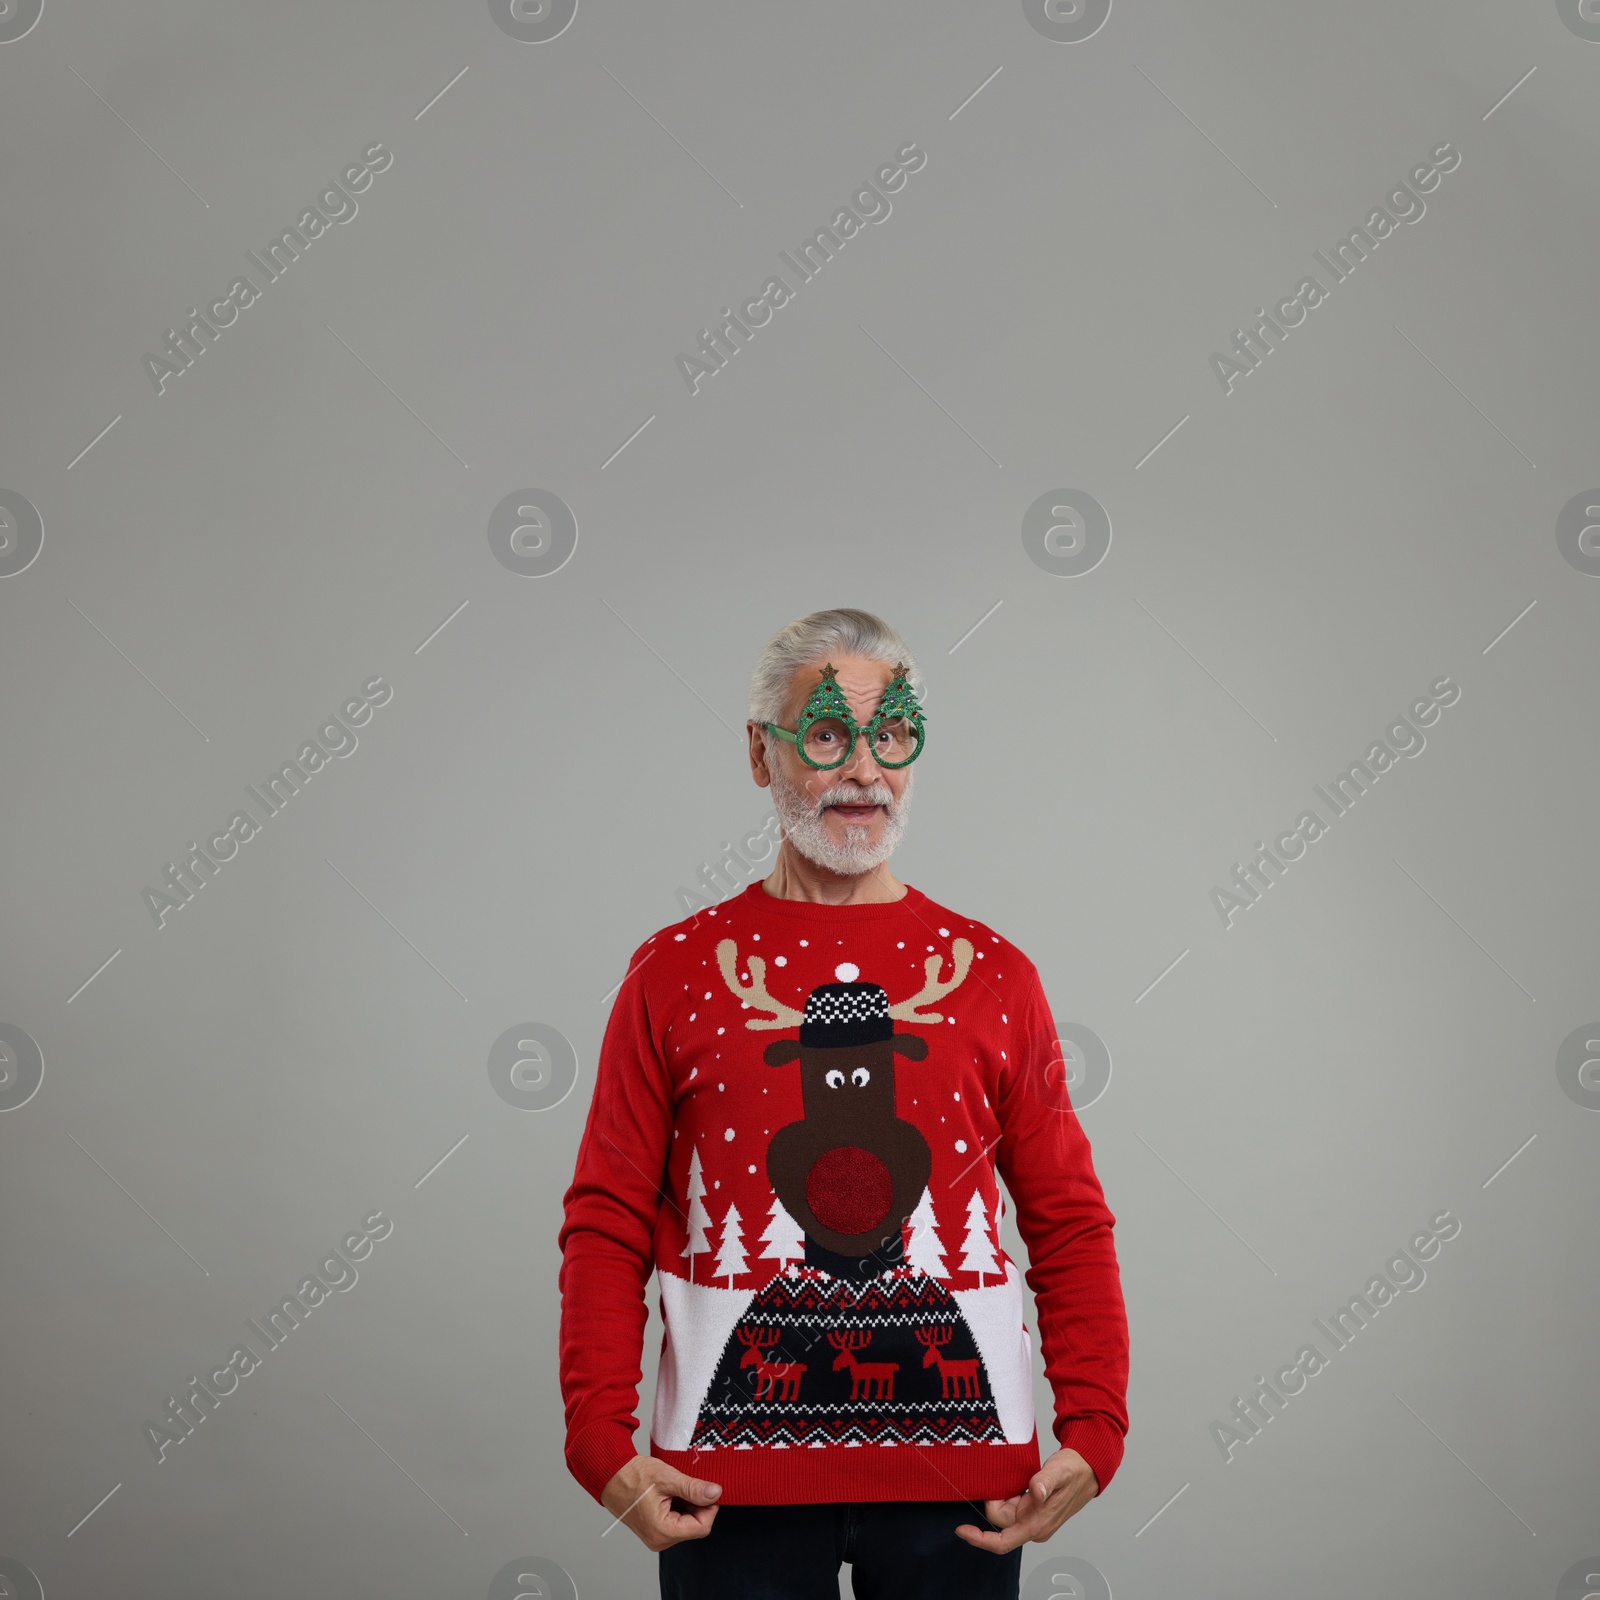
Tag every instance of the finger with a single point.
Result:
(655, 1507)
(695, 1490)
(685, 1524)
(1002, 1513)
(1034, 1521)
(996, 1543)
(1048, 1520)
(679, 1525)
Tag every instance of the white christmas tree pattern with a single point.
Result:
(783, 1236)
(925, 1250)
(699, 1220)
(730, 1258)
(978, 1247)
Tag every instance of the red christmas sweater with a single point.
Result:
(799, 1114)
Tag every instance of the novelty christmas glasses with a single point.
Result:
(825, 732)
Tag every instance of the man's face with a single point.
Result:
(850, 818)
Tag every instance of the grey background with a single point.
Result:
(304, 1042)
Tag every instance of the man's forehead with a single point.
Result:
(863, 682)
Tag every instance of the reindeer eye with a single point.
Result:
(834, 1079)
(859, 1077)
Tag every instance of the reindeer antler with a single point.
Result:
(757, 1338)
(850, 1338)
(932, 988)
(933, 1337)
(755, 993)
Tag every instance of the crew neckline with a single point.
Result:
(912, 902)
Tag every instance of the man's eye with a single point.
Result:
(834, 1079)
(859, 1077)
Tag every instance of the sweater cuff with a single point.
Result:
(1099, 1442)
(599, 1453)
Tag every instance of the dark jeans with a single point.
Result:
(897, 1550)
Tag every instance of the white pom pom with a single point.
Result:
(847, 972)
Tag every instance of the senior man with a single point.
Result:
(804, 1099)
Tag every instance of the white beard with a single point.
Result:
(803, 825)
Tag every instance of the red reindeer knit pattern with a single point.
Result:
(799, 1118)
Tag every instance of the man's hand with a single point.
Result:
(1061, 1488)
(659, 1504)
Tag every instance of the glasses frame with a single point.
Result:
(898, 687)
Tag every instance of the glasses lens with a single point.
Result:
(826, 742)
(894, 741)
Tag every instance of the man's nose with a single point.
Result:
(861, 767)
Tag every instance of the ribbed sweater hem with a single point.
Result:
(818, 1474)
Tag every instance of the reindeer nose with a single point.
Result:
(849, 1189)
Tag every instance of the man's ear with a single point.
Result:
(782, 1051)
(910, 1044)
(758, 754)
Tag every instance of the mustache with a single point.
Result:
(877, 794)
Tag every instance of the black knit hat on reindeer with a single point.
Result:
(846, 1013)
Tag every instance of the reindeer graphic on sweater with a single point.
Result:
(851, 1172)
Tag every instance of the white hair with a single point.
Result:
(816, 638)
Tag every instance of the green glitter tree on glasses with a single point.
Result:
(825, 732)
